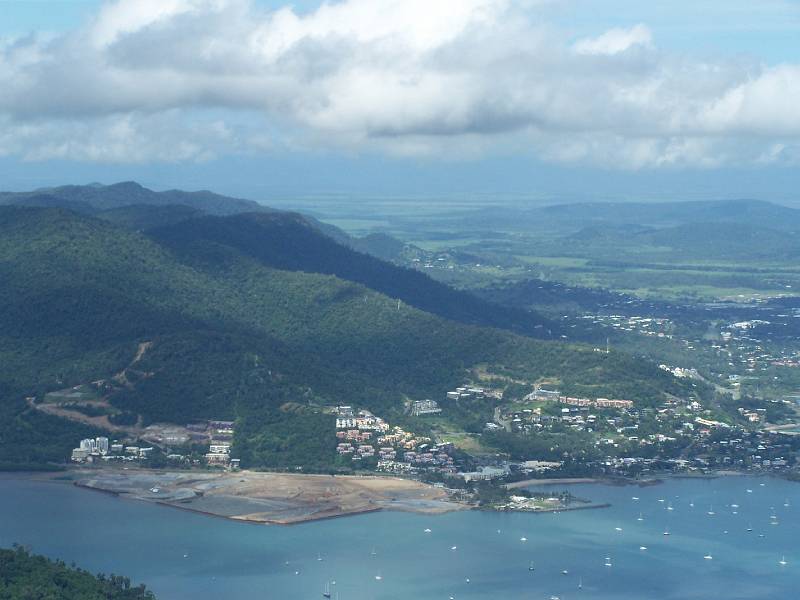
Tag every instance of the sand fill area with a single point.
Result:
(278, 498)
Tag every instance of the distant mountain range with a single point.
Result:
(703, 241)
(566, 218)
(723, 231)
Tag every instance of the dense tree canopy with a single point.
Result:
(24, 576)
(233, 337)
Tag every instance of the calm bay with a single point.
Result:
(620, 552)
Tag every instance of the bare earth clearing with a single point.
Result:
(270, 497)
(64, 404)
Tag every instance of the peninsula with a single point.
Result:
(270, 498)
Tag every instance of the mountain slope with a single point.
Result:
(287, 241)
(232, 337)
(141, 217)
(278, 239)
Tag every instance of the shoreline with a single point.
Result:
(589, 506)
(554, 481)
(626, 481)
(244, 521)
(308, 498)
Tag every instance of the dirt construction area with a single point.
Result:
(269, 497)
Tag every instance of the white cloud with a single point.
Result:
(130, 138)
(615, 41)
(766, 105)
(156, 80)
(124, 17)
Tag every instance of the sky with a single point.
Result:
(541, 99)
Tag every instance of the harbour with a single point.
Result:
(464, 555)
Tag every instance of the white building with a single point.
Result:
(425, 407)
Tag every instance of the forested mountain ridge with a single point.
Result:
(280, 239)
(235, 338)
(92, 199)
(288, 242)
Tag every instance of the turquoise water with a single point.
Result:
(181, 555)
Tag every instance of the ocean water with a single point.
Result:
(181, 555)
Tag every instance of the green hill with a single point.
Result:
(235, 337)
(693, 241)
(24, 576)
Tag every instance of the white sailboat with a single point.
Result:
(327, 592)
(782, 562)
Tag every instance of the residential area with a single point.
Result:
(199, 444)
